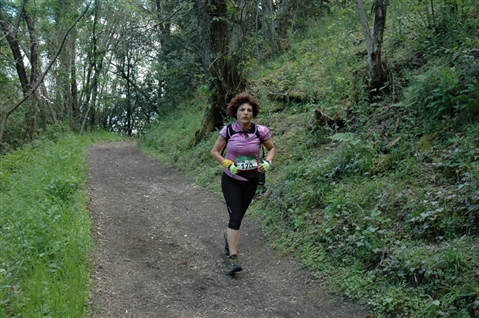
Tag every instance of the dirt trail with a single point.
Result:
(160, 250)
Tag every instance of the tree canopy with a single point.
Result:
(117, 65)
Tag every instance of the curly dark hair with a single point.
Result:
(239, 100)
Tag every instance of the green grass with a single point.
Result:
(45, 227)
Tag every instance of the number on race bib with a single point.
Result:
(247, 163)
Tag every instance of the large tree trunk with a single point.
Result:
(222, 44)
(235, 48)
(374, 41)
(214, 33)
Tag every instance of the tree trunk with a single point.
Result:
(374, 39)
(214, 33)
(268, 24)
(236, 49)
(34, 105)
(101, 39)
(11, 36)
(283, 20)
(50, 104)
(74, 116)
(66, 80)
(93, 72)
(126, 69)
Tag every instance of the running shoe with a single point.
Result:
(234, 265)
(227, 247)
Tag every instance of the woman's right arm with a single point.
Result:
(216, 151)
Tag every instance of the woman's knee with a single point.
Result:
(235, 219)
(234, 225)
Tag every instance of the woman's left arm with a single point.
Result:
(269, 144)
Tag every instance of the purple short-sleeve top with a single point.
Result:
(243, 144)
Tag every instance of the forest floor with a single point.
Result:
(160, 250)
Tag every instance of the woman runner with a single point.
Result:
(242, 166)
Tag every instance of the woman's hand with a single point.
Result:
(264, 166)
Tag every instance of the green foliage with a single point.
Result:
(448, 27)
(45, 227)
(440, 94)
(181, 132)
(308, 72)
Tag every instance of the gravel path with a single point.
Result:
(160, 250)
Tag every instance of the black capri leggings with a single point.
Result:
(238, 196)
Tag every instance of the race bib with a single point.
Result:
(246, 163)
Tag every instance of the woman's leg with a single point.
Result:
(233, 240)
(238, 196)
